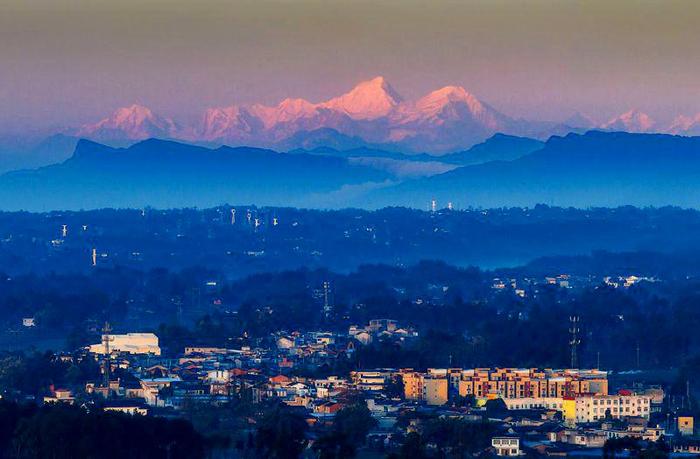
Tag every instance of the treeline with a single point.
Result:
(62, 432)
(453, 309)
(497, 328)
(338, 240)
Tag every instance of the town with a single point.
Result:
(511, 411)
(228, 331)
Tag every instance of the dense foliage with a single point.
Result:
(62, 431)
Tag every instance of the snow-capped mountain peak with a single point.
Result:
(286, 111)
(687, 125)
(228, 123)
(368, 100)
(135, 122)
(631, 121)
(436, 100)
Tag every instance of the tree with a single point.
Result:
(334, 445)
(413, 447)
(355, 422)
(281, 433)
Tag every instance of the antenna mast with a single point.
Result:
(574, 341)
(106, 363)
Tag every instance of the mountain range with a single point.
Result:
(598, 168)
(373, 114)
(595, 169)
(169, 174)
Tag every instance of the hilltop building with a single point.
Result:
(130, 343)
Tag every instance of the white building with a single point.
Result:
(371, 380)
(506, 446)
(131, 343)
(591, 408)
(534, 403)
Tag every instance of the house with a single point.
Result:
(328, 407)
(285, 342)
(279, 380)
(60, 396)
(506, 446)
(131, 407)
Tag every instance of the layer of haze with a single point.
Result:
(68, 62)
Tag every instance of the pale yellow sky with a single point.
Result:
(64, 62)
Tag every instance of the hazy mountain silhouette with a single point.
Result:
(170, 174)
(51, 150)
(593, 169)
(500, 147)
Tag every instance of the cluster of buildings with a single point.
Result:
(529, 286)
(544, 411)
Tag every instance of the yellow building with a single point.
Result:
(686, 425)
(412, 385)
(431, 389)
(506, 383)
(434, 390)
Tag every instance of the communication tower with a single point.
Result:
(574, 341)
(107, 361)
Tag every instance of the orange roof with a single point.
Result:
(279, 379)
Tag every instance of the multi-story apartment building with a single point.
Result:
(534, 403)
(514, 383)
(429, 388)
(534, 385)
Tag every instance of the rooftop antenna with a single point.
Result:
(233, 216)
(574, 341)
(637, 354)
(64, 230)
(94, 257)
(249, 216)
(433, 205)
(106, 338)
(598, 360)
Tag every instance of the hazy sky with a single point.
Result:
(68, 62)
